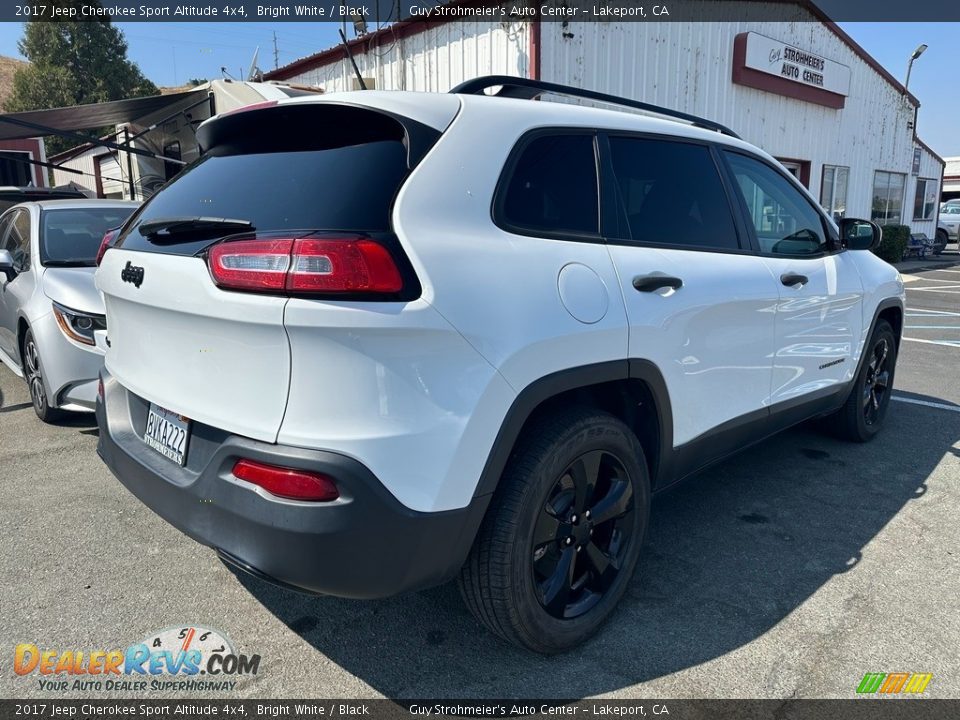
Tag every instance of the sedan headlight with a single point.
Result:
(79, 326)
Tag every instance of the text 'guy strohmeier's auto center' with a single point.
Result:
(803, 90)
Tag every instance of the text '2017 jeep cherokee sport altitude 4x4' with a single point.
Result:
(372, 341)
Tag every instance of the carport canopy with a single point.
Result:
(67, 120)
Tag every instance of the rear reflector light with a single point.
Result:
(100, 388)
(305, 265)
(105, 244)
(289, 483)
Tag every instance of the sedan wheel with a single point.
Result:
(33, 372)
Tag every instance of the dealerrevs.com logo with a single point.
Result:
(191, 658)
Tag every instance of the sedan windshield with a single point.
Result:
(71, 236)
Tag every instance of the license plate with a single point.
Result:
(167, 433)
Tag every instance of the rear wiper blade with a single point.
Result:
(69, 263)
(180, 225)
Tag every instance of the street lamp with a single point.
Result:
(916, 53)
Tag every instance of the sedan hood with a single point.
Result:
(73, 288)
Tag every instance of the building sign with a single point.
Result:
(776, 66)
(917, 154)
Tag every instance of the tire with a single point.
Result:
(942, 240)
(862, 415)
(33, 374)
(551, 592)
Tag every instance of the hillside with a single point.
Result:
(8, 66)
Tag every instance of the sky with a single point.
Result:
(170, 54)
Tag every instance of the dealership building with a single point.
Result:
(803, 90)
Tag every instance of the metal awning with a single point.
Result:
(57, 121)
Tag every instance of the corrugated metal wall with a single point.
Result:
(434, 60)
(86, 163)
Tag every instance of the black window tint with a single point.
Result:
(553, 187)
(671, 193)
(785, 222)
(72, 236)
(336, 189)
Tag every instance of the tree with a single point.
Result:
(74, 63)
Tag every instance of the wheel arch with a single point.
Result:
(22, 327)
(632, 390)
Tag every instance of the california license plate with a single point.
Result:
(167, 433)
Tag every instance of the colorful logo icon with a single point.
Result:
(894, 683)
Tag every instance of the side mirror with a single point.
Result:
(7, 266)
(860, 234)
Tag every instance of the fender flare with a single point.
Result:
(549, 386)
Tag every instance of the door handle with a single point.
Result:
(649, 283)
(793, 279)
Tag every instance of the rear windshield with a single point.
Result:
(339, 173)
(71, 237)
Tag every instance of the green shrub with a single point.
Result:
(893, 243)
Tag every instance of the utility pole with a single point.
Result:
(276, 52)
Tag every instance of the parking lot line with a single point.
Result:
(926, 403)
(921, 312)
(946, 343)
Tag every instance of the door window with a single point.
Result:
(553, 188)
(784, 221)
(670, 193)
(18, 241)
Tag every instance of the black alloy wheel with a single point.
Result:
(581, 534)
(876, 388)
(563, 531)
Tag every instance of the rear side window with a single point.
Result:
(670, 193)
(319, 169)
(551, 188)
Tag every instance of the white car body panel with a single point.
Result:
(394, 386)
(218, 357)
(713, 346)
(818, 324)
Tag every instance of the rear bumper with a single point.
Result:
(363, 545)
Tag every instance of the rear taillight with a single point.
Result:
(305, 266)
(285, 482)
(108, 238)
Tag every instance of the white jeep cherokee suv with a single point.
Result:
(376, 340)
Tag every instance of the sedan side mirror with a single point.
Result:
(7, 266)
(860, 234)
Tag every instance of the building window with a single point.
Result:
(15, 168)
(887, 206)
(833, 190)
(925, 200)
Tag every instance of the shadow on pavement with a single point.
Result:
(729, 555)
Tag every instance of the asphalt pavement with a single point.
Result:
(788, 571)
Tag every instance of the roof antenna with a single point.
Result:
(346, 46)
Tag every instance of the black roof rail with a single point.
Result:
(527, 89)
